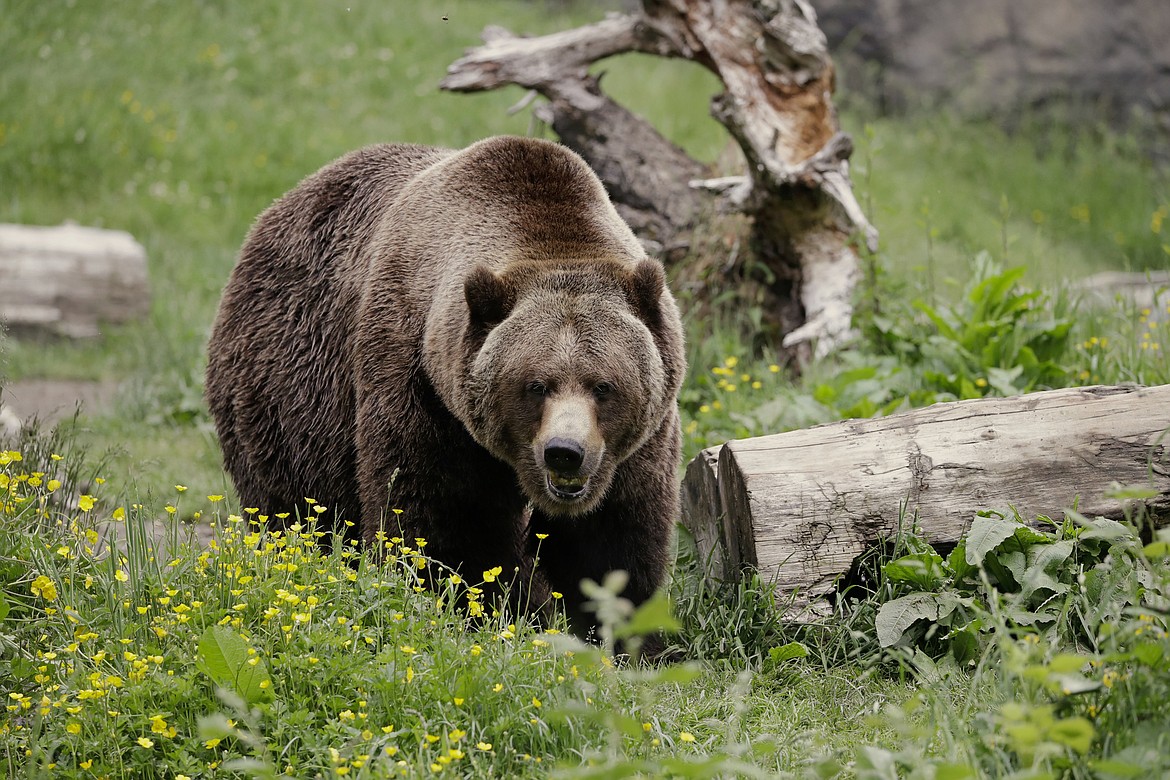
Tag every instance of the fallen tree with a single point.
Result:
(778, 81)
(801, 507)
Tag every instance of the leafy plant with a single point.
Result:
(997, 337)
(1062, 584)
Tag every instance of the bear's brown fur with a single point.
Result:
(472, 337)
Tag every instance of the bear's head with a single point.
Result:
(572, 368)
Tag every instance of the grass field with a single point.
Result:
(181, 122)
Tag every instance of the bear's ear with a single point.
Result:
(489, 297)
(644, 288)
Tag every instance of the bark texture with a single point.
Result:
(778, 81)
(802, 506)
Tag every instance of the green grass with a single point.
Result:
(181, 122)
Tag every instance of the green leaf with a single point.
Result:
(1039, 580)
(1051, 556)
(4, 608)
(1109, 767)
(1148, 653)
(1028, 537)
(965, 643)
(653, 616)
(922, 570)
(1104, 528)
(1024, 617)
(957, 561)
(1006, 569)
(1075, 733)
(1066, 663)
(1003, 381)
(953, 772)
(788, 652)
(987, 533)
(223, 656)
(894, 617)
(1156, 550)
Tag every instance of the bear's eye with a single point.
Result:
(602, 389)
(539, 389)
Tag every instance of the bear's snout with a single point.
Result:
(564, 456)
(568, 450)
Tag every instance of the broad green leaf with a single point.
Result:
(1025, 617)
(1148, 653)
(787, 652)
(922, 570)
(1028, 536)
(951, 607)
(1048, 557)
(4, 608)
(1006, 569)
(1039, 580)
(1156, 550)
(986, 533)
(1015, 562)
(953, 772)
(964, 641)
(894, 617)
(653, 616)
(1075, 732)
(957, 561)
(943, 326)
(223, 656)
(1064, 663)
(1111, 767)
(1004, 381)
(1104, 528)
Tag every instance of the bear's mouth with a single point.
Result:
(567, 486)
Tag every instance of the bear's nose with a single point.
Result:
(563, 455)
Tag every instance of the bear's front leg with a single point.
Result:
(632, 530)
(423, 476)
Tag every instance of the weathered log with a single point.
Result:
(801, 506)
(778, 79)
(69, 280)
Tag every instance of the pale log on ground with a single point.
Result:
(777, 105)
(69, 280)
(801, 506)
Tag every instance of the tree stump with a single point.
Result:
(774, 63)
(68, 280)
(801, 507)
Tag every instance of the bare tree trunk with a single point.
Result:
(776, 104)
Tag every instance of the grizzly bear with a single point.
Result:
(473, 339)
